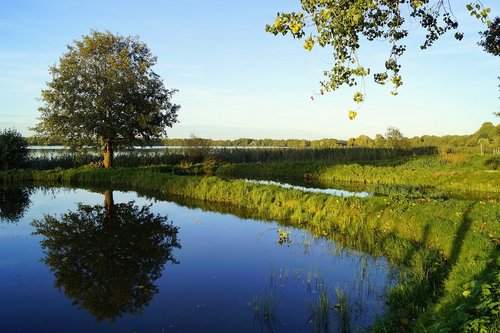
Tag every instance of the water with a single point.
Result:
(313, 188)
(125, 263)
(362, 190)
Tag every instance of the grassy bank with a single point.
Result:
(450, 247)
(444, 172)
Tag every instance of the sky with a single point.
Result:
(235, 80)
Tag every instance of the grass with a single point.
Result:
(471, 173)
(444, 248)
(321, 312)
(450, 173)
(265, 307)
(408, 191)
(344, 309)
(324, 310)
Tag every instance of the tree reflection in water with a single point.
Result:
(13, 203)
(107, 258)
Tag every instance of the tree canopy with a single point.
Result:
(344, 25)
(13, 149)
(491, 38)
(104, 92)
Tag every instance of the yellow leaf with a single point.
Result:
(309, 43)
(352, 114)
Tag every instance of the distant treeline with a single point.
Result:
(247, 142)
(488, 136)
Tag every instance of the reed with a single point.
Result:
(321, 312)
(344, 309)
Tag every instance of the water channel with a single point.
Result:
(73, 260)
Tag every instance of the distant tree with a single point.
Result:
(395, 138)
(379, 141)
(13, 149)
(104, 92)
(364, 141)
(198, 148)
(482, 142)
(344, 25)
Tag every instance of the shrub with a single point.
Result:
(13, 149)
(492, 163)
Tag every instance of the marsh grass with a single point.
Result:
(312, 154)
(344, 310)
(470, 174)
(408, 191)
(200, 154)
(265, 307)
(132, 158)
(321, 312)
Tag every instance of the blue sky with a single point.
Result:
(235, 80)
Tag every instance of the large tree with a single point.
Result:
(344, 25)
(491, 42)
(104, 92)
(491, 38)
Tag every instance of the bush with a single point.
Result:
(492, 163)
(13, 149)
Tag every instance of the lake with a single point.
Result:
(74, 260)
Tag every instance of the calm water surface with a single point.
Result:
(312, 187)
(155, 266)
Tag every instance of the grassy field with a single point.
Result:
(461, 173)
(447, 249)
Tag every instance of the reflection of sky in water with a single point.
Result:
(225, 263)
(331, 191)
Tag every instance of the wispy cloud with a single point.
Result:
(22, 80)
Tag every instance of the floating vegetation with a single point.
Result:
(284, 236)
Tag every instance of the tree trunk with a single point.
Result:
(108, 154)
(108, 206)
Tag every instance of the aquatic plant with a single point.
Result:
(321, 312)
(284, 236)
(265, 306)
(343, 309)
